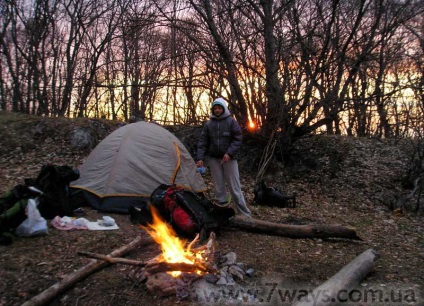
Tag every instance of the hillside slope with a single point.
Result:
(338, 180)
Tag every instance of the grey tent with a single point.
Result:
(130, 163)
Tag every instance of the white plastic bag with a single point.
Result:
(35, 224)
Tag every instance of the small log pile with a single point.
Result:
(213, 267)
(216, 269)
(227, 273)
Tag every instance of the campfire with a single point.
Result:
(180, 264)
(174, 271)
(175, 253)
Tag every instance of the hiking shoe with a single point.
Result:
(227, 201)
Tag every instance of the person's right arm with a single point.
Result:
(202, 145)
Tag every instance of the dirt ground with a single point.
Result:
(346, 181)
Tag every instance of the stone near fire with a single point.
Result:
(222, 281)
(211, 278)
(250, 272)
(161, 284)
(229, 259)
(236, 272)
(230, 280)
(225, 277)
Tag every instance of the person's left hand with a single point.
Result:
(225, 159)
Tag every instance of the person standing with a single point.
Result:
(220, 140)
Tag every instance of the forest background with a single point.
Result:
(296, 67)
(292, 68)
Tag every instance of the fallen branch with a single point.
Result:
(113, 260)
(293, 231)
(151, 266)
(346, 279)
(49, 294)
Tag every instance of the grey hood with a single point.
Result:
(221, 102)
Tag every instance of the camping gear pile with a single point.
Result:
(25, 208)
(137, 164)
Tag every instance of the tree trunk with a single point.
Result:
(273, 88)
(294, 231)
(343, 281)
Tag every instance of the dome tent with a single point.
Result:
(129, 164)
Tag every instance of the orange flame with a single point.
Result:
(173, 249)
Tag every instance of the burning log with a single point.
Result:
(174, 271)
(294, 231)
(152, 266)
(158, 267)
(165, 278)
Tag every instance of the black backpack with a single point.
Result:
(52, 190)
(54, 182)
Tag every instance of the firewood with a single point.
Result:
(152, 265)
(113, 260)
(157, 267)
(294, 231)
(196, 239)
(346, 279)
(71, 279)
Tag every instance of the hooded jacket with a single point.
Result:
(220, 135)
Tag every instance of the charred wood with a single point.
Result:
(158, 267)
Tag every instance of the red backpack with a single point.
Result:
(177, 215)
(187, 212)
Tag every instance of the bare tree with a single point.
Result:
(71, 38)
(9, 44)
(415, 73)
(209, 13)
(296, 67)
(99, 30)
